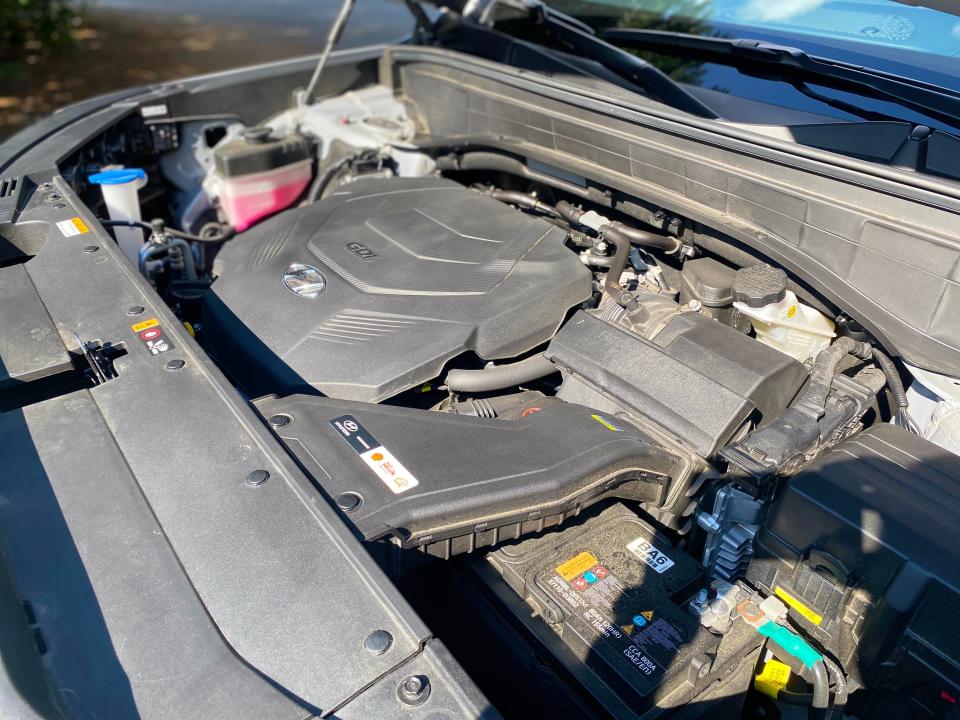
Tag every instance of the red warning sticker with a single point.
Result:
(153, 337)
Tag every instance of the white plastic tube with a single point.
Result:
(120, 188)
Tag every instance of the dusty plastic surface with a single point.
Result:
(698, 380)
(417, 271)
(192, 593)
(863, 545)
(846, 226)
(452, 483)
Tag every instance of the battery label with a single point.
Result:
(374, 455)
(595, 595)
(650, 555)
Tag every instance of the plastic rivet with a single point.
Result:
(378, 642)
(91, 249)
(135, 310)
(257, 478)
(280, 420)
(349, 501)
(174, 365)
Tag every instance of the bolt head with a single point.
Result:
(135, 310)
(174, 365)
(414, 690)
(91, 249)
(280, 420)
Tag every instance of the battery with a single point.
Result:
(615, 593)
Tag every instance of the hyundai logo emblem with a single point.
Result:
(304, 280)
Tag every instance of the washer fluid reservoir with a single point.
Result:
(778, 318)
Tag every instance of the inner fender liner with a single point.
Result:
(448, 483)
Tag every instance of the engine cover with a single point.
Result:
(413, 273)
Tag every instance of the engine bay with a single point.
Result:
(603, 450)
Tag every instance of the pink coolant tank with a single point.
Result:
(259, 174)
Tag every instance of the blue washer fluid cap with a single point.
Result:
(117, 177)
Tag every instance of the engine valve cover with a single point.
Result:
(371, 290)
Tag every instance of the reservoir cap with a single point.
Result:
(759, 285)
(119, 176)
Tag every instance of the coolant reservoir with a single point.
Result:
(258, 174)
(779, 319)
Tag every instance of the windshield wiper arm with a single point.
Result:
(572, 34)
(932, 100)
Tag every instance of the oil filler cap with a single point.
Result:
(759, 285)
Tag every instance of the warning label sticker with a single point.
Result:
(575, 566)
(595, 596)
(73, 226)
(380, 460)
(141, 326)
(155, 340)
(650, 555)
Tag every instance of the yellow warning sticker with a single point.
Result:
(773, 679)
(793, 602)
(606, 423)
(73, 226)
(576, 565)
(628, 629)
(145, 325)
(648, 614)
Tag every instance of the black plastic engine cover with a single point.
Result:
(417, 271)
(451, 483)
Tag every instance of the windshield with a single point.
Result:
(880, 27)
(921, 43)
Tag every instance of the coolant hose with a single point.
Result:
(498, 377)
(621, 236)
(821, 689)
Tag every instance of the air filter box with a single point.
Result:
(448, 483)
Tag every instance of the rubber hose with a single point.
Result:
(668, 243)
(825, 368)
(840, 687)
(147, 252)
(524, 200)
(498, 377)
(620, 241)
(479, 160)
(228, 233)
(821, 689)
(893, 377)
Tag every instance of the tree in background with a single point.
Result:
(32, 25)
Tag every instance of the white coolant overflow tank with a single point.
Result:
(120, 187)
(778, 318)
